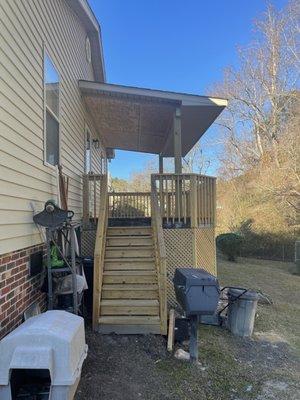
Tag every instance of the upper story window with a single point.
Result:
(88, 50)
(51, 82)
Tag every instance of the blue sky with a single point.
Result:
(172, 45)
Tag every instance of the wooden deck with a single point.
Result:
(134, 265)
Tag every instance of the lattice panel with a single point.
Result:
(181, 246)
(205, 249)
(88, 242)
(179, 249)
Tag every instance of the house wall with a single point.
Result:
(26, 26)
(18, 289)
(24, 179)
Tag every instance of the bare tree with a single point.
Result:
(196, 161)
(261, 126)
(261, 89)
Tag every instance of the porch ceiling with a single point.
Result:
(139, 119)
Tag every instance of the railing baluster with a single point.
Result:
(173, 203)
(167, 202)
(182, 195)
(205, 201)
(182, 198)
(209, 200)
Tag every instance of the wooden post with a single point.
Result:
(177, 141)
(99, 250)
(161, 164)
(86, 201)
(171, 330)
(177, 162)
(193, 201)
(214, 201)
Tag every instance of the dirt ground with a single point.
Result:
(266, 367)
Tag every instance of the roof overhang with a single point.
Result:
(138, 119)
(85, 14)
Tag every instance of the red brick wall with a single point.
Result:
(17, 289)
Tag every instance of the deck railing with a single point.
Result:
(91, 192)
(100, 248)
(160, 259)
(129, 204)
(186, 199)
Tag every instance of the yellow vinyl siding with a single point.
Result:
(26, 27)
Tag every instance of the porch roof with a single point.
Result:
(138, 119)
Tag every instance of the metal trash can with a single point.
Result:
(241, 311)
(42, 358)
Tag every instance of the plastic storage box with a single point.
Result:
(47, 350)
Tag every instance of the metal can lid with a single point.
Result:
(248, 295)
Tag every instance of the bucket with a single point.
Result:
(241, 311)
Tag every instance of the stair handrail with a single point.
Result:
(160, 257)
(100, 249)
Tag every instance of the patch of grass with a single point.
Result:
(236, 368)
(220, 375)
(276, 280)
(232, 368)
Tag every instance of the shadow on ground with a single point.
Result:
(266, 367)
(138, 367)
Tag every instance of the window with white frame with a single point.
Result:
(51, 82)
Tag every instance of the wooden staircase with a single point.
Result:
(129, 295)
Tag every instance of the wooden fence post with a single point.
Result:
(193, 201)
(85, 201)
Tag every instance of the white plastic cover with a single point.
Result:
(65, 286)
(54, 340)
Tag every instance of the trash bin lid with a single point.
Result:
(194, 277)
(248, 295)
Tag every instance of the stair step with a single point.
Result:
(129, 264)
(129, 307)
(128, 252)
(128, 325)
(120, 329)
(123, 291)
(124, 277)
(129, 296)
(129, 241)
(130, 320)
(129, 231)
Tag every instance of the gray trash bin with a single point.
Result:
(241, 311)
(197, 291)
(43, 356)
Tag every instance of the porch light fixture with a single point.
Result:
(178, 112)
(96, 143)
